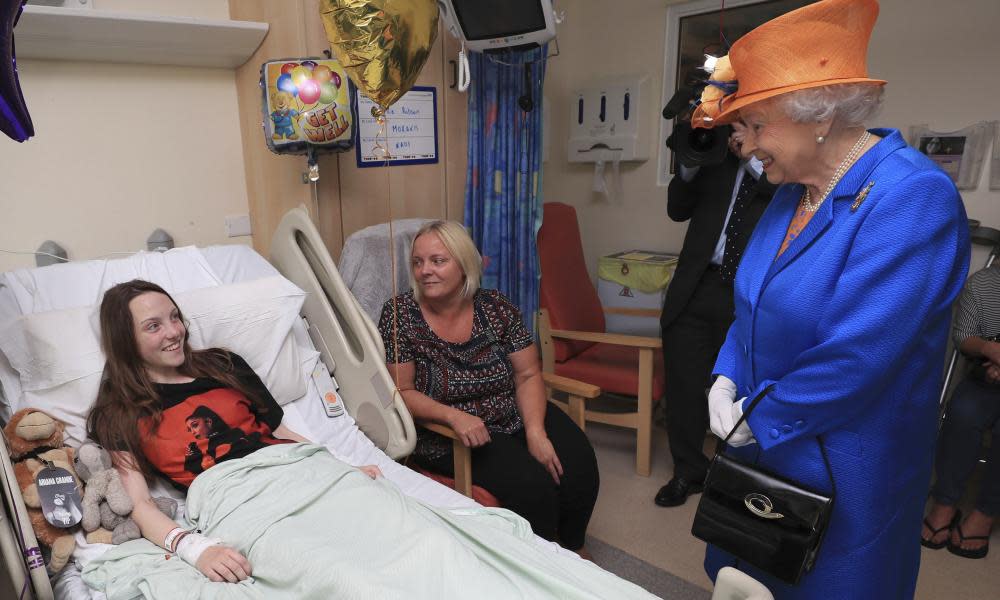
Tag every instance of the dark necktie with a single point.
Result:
(731, 256)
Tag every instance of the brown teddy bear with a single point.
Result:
(35, 436)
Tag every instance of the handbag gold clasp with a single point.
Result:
(761, 505)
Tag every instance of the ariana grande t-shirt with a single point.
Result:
(204, 423)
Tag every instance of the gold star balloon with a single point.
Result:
(382, 44)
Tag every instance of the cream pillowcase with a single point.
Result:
(59, 362)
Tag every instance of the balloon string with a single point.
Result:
(379, 150)
(383, 150)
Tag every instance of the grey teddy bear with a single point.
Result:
(106, 504)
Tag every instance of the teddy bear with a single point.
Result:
(36, 437)
(106, 504)
(284, 116)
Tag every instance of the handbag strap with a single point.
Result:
(746, 413)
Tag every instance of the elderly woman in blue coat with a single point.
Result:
(842, 299)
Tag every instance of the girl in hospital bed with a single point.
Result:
(268, 518)
(173, 412)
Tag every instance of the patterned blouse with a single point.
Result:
(475, 376)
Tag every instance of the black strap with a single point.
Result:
(746, 413)
(33, 453)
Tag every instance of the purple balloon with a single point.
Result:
(286, 84)
(14, 118)
(309, 63)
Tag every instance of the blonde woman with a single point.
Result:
(464, 358)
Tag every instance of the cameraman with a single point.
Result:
(723, 203)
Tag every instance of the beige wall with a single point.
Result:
(596, 41)
(122, 149)
(932, 55)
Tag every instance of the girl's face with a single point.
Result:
(159, 334)
(434, 268)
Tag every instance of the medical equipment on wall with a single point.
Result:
(159, 241)
(495, 26)
(50, 253)
(605, 127)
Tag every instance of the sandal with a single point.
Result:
(930, 543)
(958, 550)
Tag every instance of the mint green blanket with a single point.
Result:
(314, 527)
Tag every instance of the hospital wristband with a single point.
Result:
(177, 540)
(191, 547)
(171, 538)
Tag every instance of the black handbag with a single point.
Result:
(769, 521)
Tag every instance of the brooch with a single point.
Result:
(861, 196)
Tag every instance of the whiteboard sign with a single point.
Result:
(411, 130)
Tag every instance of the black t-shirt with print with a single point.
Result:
(204, 422)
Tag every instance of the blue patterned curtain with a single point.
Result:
(503, 189)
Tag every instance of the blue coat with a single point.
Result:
(850, 323)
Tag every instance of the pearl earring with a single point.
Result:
(820, 139)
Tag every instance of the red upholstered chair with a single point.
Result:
(572, 332)
(577, 392)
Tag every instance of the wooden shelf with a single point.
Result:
(87, 34)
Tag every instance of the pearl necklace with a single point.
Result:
(807, 202)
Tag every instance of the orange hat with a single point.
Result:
(819, 44)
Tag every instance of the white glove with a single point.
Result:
(743, 435)
(720, 406)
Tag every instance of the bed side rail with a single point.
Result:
(14, 527)
(347, 340)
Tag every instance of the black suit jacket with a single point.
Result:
(704, 201)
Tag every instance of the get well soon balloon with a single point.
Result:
(306, 107)
(14, 118)
(383, 44)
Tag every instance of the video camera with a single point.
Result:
(694, 147)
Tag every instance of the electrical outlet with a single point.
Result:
(238, 225)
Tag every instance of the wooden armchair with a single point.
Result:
(572, 332)
(577, 393)
(637, 360)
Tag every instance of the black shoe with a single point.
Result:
(676, 492)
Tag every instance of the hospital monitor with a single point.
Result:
(494, 24)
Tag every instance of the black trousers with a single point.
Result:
(691, 344)
(507, 470)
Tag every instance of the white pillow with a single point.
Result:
(59, 362)
(253, 319)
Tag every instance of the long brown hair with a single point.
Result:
(127, 394)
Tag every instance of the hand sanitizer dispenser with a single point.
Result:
(606, 121)
(605, 127)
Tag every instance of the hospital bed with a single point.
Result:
(235, 282)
